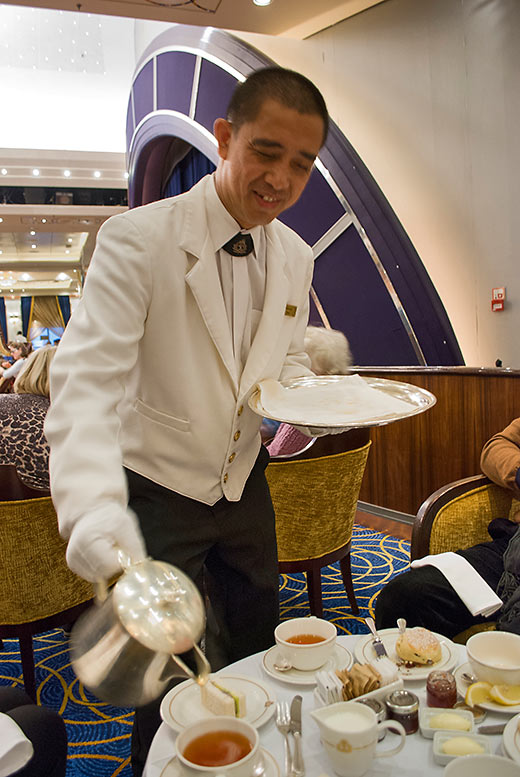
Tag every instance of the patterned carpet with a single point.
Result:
(99, 735)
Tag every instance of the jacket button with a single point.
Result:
(236, 435)
(240, 409)
(232, 458)
(225, 478)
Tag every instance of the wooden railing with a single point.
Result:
(410, 459)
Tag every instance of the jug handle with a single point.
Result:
(101, 586)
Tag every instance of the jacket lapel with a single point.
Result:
(203, 278)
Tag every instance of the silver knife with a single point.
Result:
(376, 641)
(296, 731)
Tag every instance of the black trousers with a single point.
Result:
(44, 728)
(231, 547)
(424, 597)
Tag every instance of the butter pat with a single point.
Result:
(462, 746)
(450, 721)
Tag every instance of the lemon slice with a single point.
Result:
(505, 694)
(478, 693)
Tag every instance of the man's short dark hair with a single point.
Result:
(288, 87)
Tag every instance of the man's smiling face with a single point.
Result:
(265, 164)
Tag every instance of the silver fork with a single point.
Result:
(283, 724)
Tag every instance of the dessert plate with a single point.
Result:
(491, 706)
(364, 653)
(416, 400)
(271, 768)
(511, 739)
(340, 659)
(182, 705)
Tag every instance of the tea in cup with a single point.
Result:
(218, 747)
(306, 643)
(349, 734)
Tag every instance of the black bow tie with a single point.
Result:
(239, 245)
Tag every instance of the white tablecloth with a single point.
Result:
(414, 759)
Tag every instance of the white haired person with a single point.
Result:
(22, 441)
(329, 352)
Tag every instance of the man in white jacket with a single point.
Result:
(154, 449)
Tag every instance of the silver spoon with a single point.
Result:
(401, 625)
(469, 678)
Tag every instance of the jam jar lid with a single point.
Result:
(402, 701)
(376, 705)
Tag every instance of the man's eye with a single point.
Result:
(264, 154)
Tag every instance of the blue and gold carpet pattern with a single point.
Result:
(99, 735)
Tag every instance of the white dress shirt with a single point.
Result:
(242, 278)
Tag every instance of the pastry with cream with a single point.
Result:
(418, 646)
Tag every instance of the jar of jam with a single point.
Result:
(380, 711)
(441, 689)
(404, 707)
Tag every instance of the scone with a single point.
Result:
(419, 646)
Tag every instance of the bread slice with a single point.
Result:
(222, 701)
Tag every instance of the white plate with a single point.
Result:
(182, 705)
(340, 659)
(418, 398)
(492, 706)
(364, 652)
(271, 767)
(511, 739)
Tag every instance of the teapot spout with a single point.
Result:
(201, 663)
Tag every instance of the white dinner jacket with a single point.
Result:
(145, 375)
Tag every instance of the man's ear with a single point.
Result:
(222, 130)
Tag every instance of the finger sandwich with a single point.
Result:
(222, 701)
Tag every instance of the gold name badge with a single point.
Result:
(290, 310)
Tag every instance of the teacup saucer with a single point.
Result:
(340, 659)
(271, 769)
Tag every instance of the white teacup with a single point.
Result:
(244, 767)
(349, 733)
(308, 656)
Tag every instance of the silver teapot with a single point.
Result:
(124, 648)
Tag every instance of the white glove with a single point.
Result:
(97, 538)
(321, 431)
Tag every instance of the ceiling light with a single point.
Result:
(44, 221)
(32, 232)
(126, 175)
(4, 171)
(33, 245)
(1, 252)
(36, 172)
(25, 277)
(67, 251)
(66, 173)
(97, 174)
(1, 220)
(262, 2)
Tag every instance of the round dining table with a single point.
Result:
(416, 758)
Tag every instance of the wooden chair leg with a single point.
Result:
(27, 656)
(346, 573)
(314, 591)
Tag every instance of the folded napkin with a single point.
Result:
(477, 595)
(15, 749)
(344, 402)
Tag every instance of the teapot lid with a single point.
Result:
(159, 606)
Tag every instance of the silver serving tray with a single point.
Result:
(418, 398)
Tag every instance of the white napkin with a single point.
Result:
(477, 595)
(15, 749)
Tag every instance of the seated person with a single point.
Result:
(329, 352)
(19, 351)
(424, 597)
(33, 739)
(22, 441)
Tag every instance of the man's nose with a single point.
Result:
(278, 176)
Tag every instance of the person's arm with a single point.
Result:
(14, 369)
(97, 354)
(500, 459)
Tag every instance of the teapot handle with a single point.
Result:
(101, 586)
